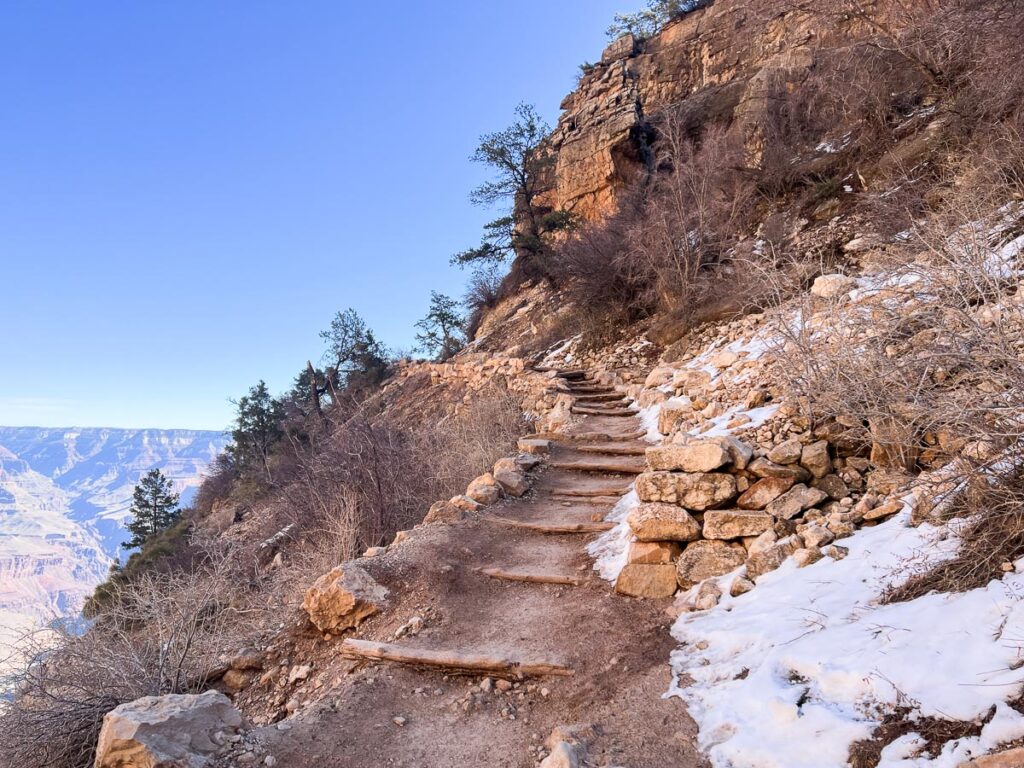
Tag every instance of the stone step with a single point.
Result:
(631, 448)
(532, 577)
(606, 502)
(508, 665)
(583, 410)
(552, 526)
(578, 493)
(599, 464)
(610, 397)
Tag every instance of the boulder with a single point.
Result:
(882, 511)
(771, 558)
(696, 491)
(653, 521)
(834, 486)
(526, 462)
(653, 552)
(832, 286)
(697, 456)
(739, 452)
(762, 467)
(1011, 758)
(342, 598)
(795, 500)
(705, 560)
(806, 556)
(535, 446)
(484, 489)
(815, 458)
(647, 580)
(173, 731)
(442, 513)
(740, 586)
(735, 523)
(512, 482)
(764, 492)
(786, 453)
(708, 596)
(817, 536)
(673, 412)
(465, 503)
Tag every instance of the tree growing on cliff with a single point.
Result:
(521, 161)
(649, 21)
(441, 330)
(354, 355)
(257, 429)
(154, 508)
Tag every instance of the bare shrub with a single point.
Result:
(366, 480)
(929, 360)
(161, 635)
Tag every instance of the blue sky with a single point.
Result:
(192, 189)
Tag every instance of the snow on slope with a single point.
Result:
(64, 494)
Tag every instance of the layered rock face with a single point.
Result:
(723, 61)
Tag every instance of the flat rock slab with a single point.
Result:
(503, 664)
(528, 576)
(553, 526)
(598, 464)
(583, 410)
(631, 448)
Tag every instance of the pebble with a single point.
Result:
(399, 721)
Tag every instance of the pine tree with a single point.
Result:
(257, 429)
(442, 327)
(154, 507)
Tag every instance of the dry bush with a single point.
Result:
(990, 535)
(368, 479)
(161, 635)
(660, 252)
(931, 361)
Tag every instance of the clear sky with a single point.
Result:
(191, 189)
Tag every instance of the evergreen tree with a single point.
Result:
(355, 355)
(442, 328)
(154, 507)
(520, 160)
(648, 22)
(257, 429)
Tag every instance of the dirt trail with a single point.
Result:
(368, 716)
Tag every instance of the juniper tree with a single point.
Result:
(441, 329)
(354, 355)
(649, 21)
(520, 160)
(154, 508)
(257, 429)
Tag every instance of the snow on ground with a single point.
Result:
(611, 548)
(791, 674)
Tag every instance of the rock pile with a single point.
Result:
(711, 505)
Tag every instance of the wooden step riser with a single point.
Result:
(524, 577)
(507, 666)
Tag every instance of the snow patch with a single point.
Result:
(611, 548)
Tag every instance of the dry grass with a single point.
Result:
(935, 732)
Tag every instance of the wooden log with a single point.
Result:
(454, 662)
(583, 493)
(614, 448)
(554, 527)
(584, 411)
(532, 577)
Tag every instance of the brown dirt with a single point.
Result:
(617, 646)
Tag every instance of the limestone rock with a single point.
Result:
(512, 482)
(1011, 758)
(535, 446)
(786, 453)
(708, 595)
(672, 413)
(653, 552)
(764, 492)
(836, 552)
(705, 560)
(806, 556)
(832, 286)
(564, 755)
(817, 536)
(484, 489)
(740, 586)
(771, 558)
(815, 458)
(649, 581)
(834, 486)
(696, 491)
(342, 598)
(697, 456)
(465, 503)
(762, 467)
(795, 500)
(882, 511)
(739, 452)
(735, 523)
(173, 731)
(653, 521)
(442, 513)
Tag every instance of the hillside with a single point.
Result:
(727, 474)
